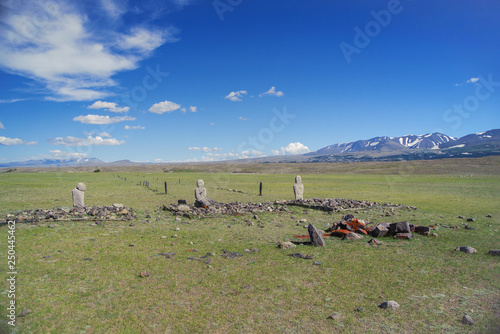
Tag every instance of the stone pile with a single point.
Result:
(341, 204)
(352, 229)
(114, 212)
(216, 208)
(238, 208)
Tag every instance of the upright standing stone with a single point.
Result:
(78, 195)
(298, 188)
(200, 195)
(316, 236)
(260, 189)
(166, 189)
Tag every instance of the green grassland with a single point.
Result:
(266, 291)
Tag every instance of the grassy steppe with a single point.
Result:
(266, 291)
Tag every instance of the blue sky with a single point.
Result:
(195, 80)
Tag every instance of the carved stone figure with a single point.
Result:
(298, 188)
(200, 195)
(78, 195)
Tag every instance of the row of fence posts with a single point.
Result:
(146, 185)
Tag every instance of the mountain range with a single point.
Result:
(409, 147)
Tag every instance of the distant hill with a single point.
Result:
(409, 147)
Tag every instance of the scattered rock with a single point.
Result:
(435, 235)
(230, 255)
(401, 227)
(391, 304)
(353, 236)
(494, 252)
(183, 207)
(25, 312)
(301, 256)
(467, 320)
(375, 242)
(466, 249)
(87, 259)
(144, 274)
(316, 263)
(286, 245)
(489, 216)
(471, 219)
(404, 236)
(334, 316)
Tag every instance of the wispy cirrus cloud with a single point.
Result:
(55, 44)
(204, 149)
(134, 127)
(89, 141)
(98, 119)
(15, 141)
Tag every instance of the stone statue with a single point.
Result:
(298, 188)
(200, 195)
(78, 195)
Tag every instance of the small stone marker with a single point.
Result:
(316, 236)
(166, 189)
(467, 320)
(298, 188)
(466, 249)
(78, 195)
(391, 304)
(260, 189)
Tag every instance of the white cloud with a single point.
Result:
(232, 155)
(472, 80)
(204, 149)
(104, 134)
(12, 100)
(89, 141)
(63, 155)
(142, 40)
(98, 119)
(110, 106)
(212, 123)
(243, 118)
(291, 149)
(134, 127)
(193, 109)
(61, 48)
(2, 126)
(113, 9)
(235, 96)
(165, 106)
(272, 91)
(15, 141)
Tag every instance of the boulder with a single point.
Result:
(401, 227)
(286, 245)
(379, 231)
(466, 249)
(316, 236)
(467, 320)
(391, 305)
(352, 236)
(423, 230)
(402, 236)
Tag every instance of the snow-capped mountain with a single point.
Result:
(432, 141)
(56, 163)
(427, 141)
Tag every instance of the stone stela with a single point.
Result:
(78, 195)
(200, 194)
(298, 188)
